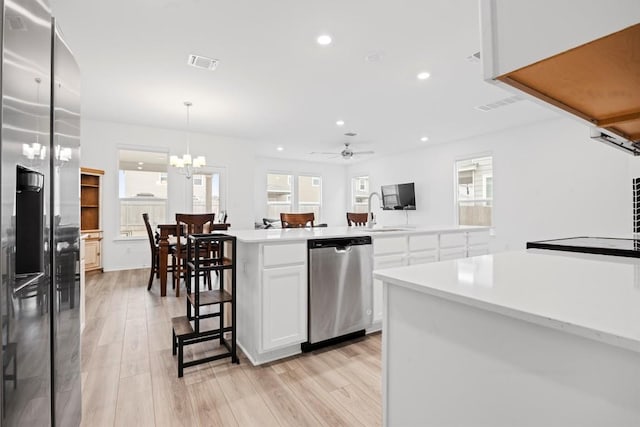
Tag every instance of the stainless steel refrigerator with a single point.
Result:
(39, 220)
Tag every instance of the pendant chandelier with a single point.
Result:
(186, 165)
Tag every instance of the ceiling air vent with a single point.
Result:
(501, 103)
(203, 62)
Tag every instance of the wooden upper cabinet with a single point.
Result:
(598, 82)
(90, 199)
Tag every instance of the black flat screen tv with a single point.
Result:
(399, 197)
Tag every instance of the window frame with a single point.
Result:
(292, 181)
(296, 192)
(456, 201)
(116, 179)
(212, 170)
(354, 183)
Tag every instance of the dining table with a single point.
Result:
(168, 232)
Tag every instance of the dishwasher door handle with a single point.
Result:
(343, 249)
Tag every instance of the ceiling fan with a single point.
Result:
(346, 153)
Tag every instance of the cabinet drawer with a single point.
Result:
(293, 253)
(424, 242)
(389, 261)
(478, 250)
(478, 238)
(423, 257)
(452, 240)
(389, 245)
(453, 253)
(93, 235)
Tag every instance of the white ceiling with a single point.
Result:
(275, 84)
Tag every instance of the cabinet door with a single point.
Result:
(453, 253)
(478, 250)
(284, 306)
(380, 263)
(423, 257)
(389, 245)
(453, 240)
(92, 254)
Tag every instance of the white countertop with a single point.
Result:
(303, 234)
(594, 296)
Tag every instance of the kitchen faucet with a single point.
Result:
(371, 221)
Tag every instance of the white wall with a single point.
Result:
(333, 188)
(550, 180)
(100, 144)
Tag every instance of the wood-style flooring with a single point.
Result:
(130, 377)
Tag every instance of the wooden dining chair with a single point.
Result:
(155, 250)
(359, 219)
(188, 224)
(297, 220)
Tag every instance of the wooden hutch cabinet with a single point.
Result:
(91, 216)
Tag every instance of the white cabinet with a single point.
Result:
(452, 253)
(284, 306)
(422, 257)
(516, 33)
(478, 243)
(389, 245)
(423, 242)
(92, 254)
(381, 262)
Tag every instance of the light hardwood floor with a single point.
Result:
(130, 377)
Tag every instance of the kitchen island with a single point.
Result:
(272, 279)
(530, 338)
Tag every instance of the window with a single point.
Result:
(359, 193)
(208, 193)
(310, 195)
(142, 188)
(280, 194)
(474, 192)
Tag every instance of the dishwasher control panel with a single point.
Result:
(339, 241)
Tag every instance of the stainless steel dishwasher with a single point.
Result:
(340, 289)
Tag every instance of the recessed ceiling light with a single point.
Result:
(139, 168)
(340, 122)
(141, 163)
(423, 75)
(280, 148)
(324, 40)
(424, 139)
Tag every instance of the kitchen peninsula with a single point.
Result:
(273, 280)
(528, 338)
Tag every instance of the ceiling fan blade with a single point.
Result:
(364, 152)
(322, 152)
